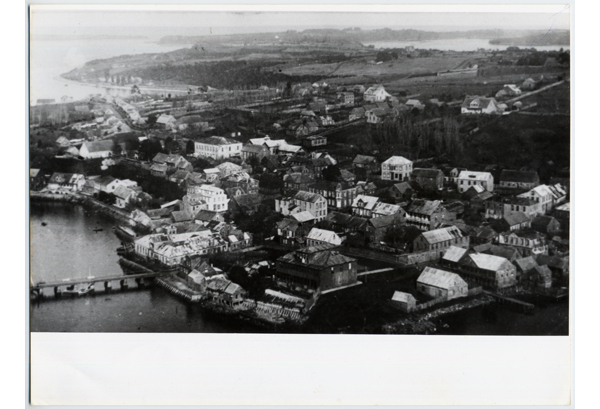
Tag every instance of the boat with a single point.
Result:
(44, 224)
(125, 232)
(97, 230)
(71, 290)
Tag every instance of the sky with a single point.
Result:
(67, 21)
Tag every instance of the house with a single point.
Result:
(438, 283)
(563, 214)
(63, 142)
(196, 281)
(558, 265)
(36, 179)
(377, 115)
(227, 168)
(172, 249)
(479, 105)
(529, 84)
(255, 151)
(295, 182)
(246, 204)
(207, 216)
(405, 301)
(318, 236)
(486, 270)
(106, 184)
(159, 170)
(396, 168)
(173, 161)
(377, 227)
(427, 214)
(415, 103)
(518, 179)
(386, 209)
(428, 179)
(375, 93)
(439, 240)
(545, 196)
(339, 195)
(315, 268)
(66, 181)
(451, 174)
(506, 206)
(356, 113)
(343, 223)
(123, 196)
(346, 98)
(365, 164)
(363, 205)
(511, 90)
(468, 178)
(217, 147)
(214, 197)
(515, 221)
(302, 201)
(526, 243)
(314, 141)
(165, 121)
(401, 192)
(96, 149)
(547, 225)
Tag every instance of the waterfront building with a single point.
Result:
(486, 270)
(315, 268)
(396, 168)
(438, 283)
(217, 147)
(405, 301)
(172, 249)
(66, 181)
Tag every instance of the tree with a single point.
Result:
(332, 173)
(190, 147)
(149, 148)
(151, 121)
(117, 149)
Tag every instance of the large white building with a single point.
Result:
(376, 93)
(303, 201)
(217, 147)
(396, 168)
(467, 178)
(215, 198)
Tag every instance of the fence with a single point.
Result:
(422, 257)
(419, 307)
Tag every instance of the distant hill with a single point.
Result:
(540, 38)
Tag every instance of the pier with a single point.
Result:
(520, 305)
(122, 282)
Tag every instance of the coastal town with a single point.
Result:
(347, 204)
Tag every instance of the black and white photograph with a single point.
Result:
(389, 173)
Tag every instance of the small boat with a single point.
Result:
(71, 290)
(44, 224)
(125, 231)
(97, 230)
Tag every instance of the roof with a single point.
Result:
(323, 235)
(181, 216)
(254, 148)
(468, 174)
(320, 256)
(123, 193)
(426, 173)
(402, 187)
(566, 207)
(304, 216)
(426, 207)
(368, 202)
(483, 102)
(305, 196)
(99, 146)
(488, 261)
(441, 235)
(519, 176)
(387, 209)
(439, 278)
(217, 140)
(552, 261)
(330, 185)
(364, 159)
(542, 221)
(382, 221)
(525, 263)
(516, 218)
(403, 297)
(454, 254)
(397, 160)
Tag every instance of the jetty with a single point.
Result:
(520, 305)
(121, 281)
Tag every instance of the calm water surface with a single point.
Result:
(68, 247)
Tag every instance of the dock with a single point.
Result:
(121, 281)
(520, 305)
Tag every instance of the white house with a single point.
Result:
(396, 168)
(467, 178)
(376, 93)
(479, 105)
(320, 236)
(215, 198)
(96, 149)
(217, 147)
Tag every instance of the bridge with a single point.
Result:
(122, 280)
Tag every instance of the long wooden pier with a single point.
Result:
(521, 305)
(122, 281)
